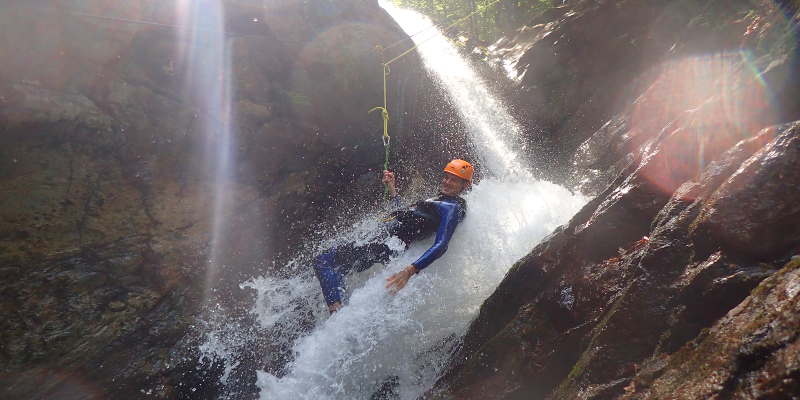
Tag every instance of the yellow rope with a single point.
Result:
(385, 110)
(386, 138)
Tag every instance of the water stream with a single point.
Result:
(491, 128)
(406, 339)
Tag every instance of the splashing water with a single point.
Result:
(404, 340)
(409, 335)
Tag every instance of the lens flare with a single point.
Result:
(698, 107)
(208, 85)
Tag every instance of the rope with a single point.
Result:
(386, 138)
(384, 110)
(124, 20)
(409, 37)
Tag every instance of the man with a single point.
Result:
(440, 214)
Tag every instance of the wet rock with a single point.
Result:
(599, 154)
(632, 303)
(9, 272)
(552, 63)
(752, 351)
(47, 106)
(749, 213)
(575, 68)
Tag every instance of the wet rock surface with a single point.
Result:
(752, 352)
(673, 282)
(574, 320)
(108, 190)
(572, 69)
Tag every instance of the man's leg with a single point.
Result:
(332, 265)
(330, 278)
(367, 255)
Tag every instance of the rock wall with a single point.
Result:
(567, 72)
(609, 303)
(677, 281)
(107, 200)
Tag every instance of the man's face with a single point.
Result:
(452, 185)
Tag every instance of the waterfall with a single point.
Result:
(403, 341)
(489, 125)
(409, 336)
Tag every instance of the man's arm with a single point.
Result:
(447, 226)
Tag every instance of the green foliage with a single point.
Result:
(492, 19)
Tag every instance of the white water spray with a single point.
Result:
(491, 128)
(409, 335)
(407, 338)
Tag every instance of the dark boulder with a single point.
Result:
(573, 68)
(749, 353)
(592, 319)
(579, 318)
(749, 213)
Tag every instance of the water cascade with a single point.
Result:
(490, 127)
(403, 341)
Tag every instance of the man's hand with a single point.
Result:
(398, 281)
(389, 181)
(334, 307)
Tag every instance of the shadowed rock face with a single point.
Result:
(570, 70)
(105, 212)
(751, 352)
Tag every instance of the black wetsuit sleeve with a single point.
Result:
(450, 214)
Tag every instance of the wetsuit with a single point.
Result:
(440, 214)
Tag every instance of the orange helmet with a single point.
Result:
(460, 168)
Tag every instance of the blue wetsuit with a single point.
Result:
(440, 214)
